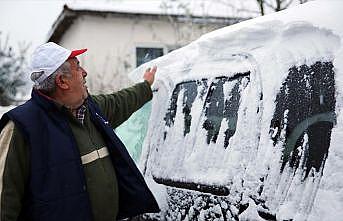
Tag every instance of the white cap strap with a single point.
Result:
(94, 155)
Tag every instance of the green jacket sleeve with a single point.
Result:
(119, 106)
(14, 159)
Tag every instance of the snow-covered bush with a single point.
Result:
(12, 70)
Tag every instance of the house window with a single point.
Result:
(145, 54)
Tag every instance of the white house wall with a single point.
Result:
(112, 41)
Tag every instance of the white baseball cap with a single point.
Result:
(48, 57)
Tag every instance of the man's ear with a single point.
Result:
(61, 82)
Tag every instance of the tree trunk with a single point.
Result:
(261, 6)
(278, 5)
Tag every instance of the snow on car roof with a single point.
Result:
(254, 37)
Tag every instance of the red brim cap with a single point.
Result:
(77, 52)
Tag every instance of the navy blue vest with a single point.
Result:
(56, 188)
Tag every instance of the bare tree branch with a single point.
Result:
(287, 4)
(275, 5)
(227, 3)
(270, 5)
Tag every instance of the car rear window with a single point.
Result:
(201, 114)
(221, 107)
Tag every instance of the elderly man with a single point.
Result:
(59, 157)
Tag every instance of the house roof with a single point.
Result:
(204, 11)
(197, 8)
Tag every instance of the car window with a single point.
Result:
(304, 117)
(201, 114)
(133, 131)
(189, 90)
(222, 104)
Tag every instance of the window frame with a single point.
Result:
(147, 45)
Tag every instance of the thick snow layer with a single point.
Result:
(267, 48)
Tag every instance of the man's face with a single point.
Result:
(77, 83)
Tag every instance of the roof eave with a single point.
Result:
(68, 15)
(62, 23)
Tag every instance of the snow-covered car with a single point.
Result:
(246, 122)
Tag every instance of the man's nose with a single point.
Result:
(84, 72)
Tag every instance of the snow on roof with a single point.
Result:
(226, 12)
(233, 8)
(215, 11)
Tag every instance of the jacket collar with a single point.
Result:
(48, 103)
(44, 101)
